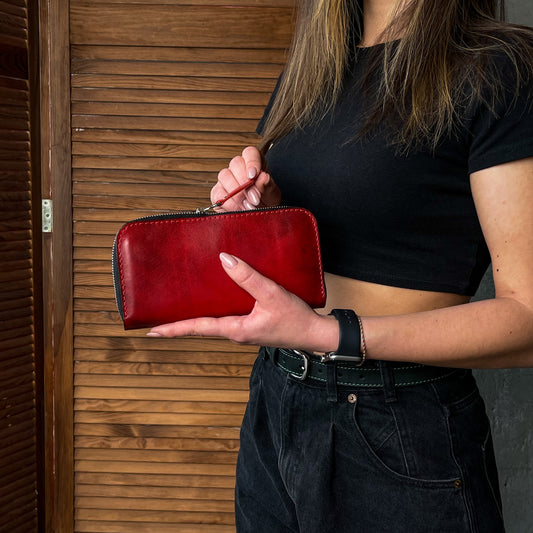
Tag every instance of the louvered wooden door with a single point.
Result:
(20, 360)
(163, 94)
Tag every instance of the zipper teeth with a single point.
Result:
(171, 214)
(164, 216)
(116, 279)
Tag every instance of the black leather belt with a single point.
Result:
(302, 366)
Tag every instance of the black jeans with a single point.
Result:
(414, 459)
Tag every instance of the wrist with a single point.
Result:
(325, 334)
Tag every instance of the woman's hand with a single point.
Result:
(264, 193)
(279, 318)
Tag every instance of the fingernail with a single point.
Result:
(252, 171)
(153, 334)
(247, 205)
(253, 196)
(228, 260)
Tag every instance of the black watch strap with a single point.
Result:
(349, 334)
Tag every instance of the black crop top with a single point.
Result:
(400, 220)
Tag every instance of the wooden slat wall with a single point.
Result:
(164, 93)
(18, 461)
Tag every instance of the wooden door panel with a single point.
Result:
(163, 94)
(19, 292)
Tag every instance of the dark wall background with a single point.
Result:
(509, 399)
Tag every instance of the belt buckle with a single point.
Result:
(306, 359)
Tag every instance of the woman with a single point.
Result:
(406, 127)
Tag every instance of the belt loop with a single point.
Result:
(331, 381)
(387, 377)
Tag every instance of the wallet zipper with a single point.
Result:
(165, 216)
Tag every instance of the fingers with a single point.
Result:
(227, 183)
(252, 159)
(244, 170)
(269, 192)
(264, 192)
(240, 170)
(205, 327)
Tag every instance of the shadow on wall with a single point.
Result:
(509, 403)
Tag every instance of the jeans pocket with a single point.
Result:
(410, 443)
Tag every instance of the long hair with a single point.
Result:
(445, 56)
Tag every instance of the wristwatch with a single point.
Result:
(349, 348)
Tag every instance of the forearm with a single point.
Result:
(495, 333)
(487, 334)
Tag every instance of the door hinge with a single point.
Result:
(47, 215)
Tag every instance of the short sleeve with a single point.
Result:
(505, 133)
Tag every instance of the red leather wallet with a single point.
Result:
(167, 268)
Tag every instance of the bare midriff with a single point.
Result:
(372, 299)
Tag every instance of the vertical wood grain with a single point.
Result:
(38, 311)
(57, 264)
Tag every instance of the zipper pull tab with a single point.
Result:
(231, 194)
(200, 210)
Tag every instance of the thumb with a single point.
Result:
(255, 284)
(270, 193)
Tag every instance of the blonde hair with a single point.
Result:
(447, 54)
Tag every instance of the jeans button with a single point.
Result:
(352, 398)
